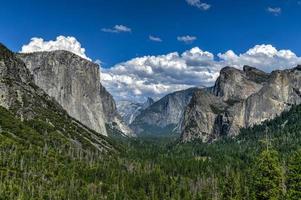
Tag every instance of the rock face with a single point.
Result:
(240, 99)
(235, 85)
(75, 83)
(165, 115)
(112, 116)
(130, 110)
(72, 81)
(22, 97)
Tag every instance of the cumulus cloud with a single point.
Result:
(186, 39)
(154, 38)
(265, 57)
(117, 29)
(61, 43)
(274, 10)
(200, 5)
(156, 76)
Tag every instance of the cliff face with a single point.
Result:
(72, 81)
(235, 85)
(165, 115)
(23, 98)
(112, 116)
(130, 110)
(240, 99)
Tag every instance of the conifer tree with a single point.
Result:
(231, 186)
(268, 176)
(294, 176)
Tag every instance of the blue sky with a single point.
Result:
(262, 33)
(228, 24)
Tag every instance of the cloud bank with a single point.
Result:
(61, 43)
(156, 76)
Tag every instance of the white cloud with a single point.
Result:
(265, 57)
(61, 43)
(154, 38)
(186, 39)
(274, 10)
(200, 5)
(156, 76)
(117, 29)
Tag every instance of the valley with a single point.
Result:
(147, 168)
(63, 136)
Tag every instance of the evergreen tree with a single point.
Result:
(294, 176)
(231, 186)
(268, 176)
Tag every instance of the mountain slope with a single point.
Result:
(112, 117)
(164, 116)
(20, 95)
(245, 98)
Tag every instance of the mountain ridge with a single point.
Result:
(241, 99)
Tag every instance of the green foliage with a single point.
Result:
(268, 176)
(38, 161)
(294, 176)
(231, 186)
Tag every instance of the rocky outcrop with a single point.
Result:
(22, 97)
(240, 99)
(165, 115)
(75, 83)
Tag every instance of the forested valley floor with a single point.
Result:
(263, 162)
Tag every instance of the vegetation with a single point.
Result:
(263, 162)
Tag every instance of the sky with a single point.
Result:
(154, 47)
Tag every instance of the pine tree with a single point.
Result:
(231, 186)
(294, 176)
(268, 176)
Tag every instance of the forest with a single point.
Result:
(263, 162)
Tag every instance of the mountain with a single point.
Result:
(45, 119)
(112, 117)
(74, 83)
(240, 99)
(130, 110)
(164, 116)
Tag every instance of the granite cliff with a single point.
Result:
(24, 99)
(74, 83)
(240, 99)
